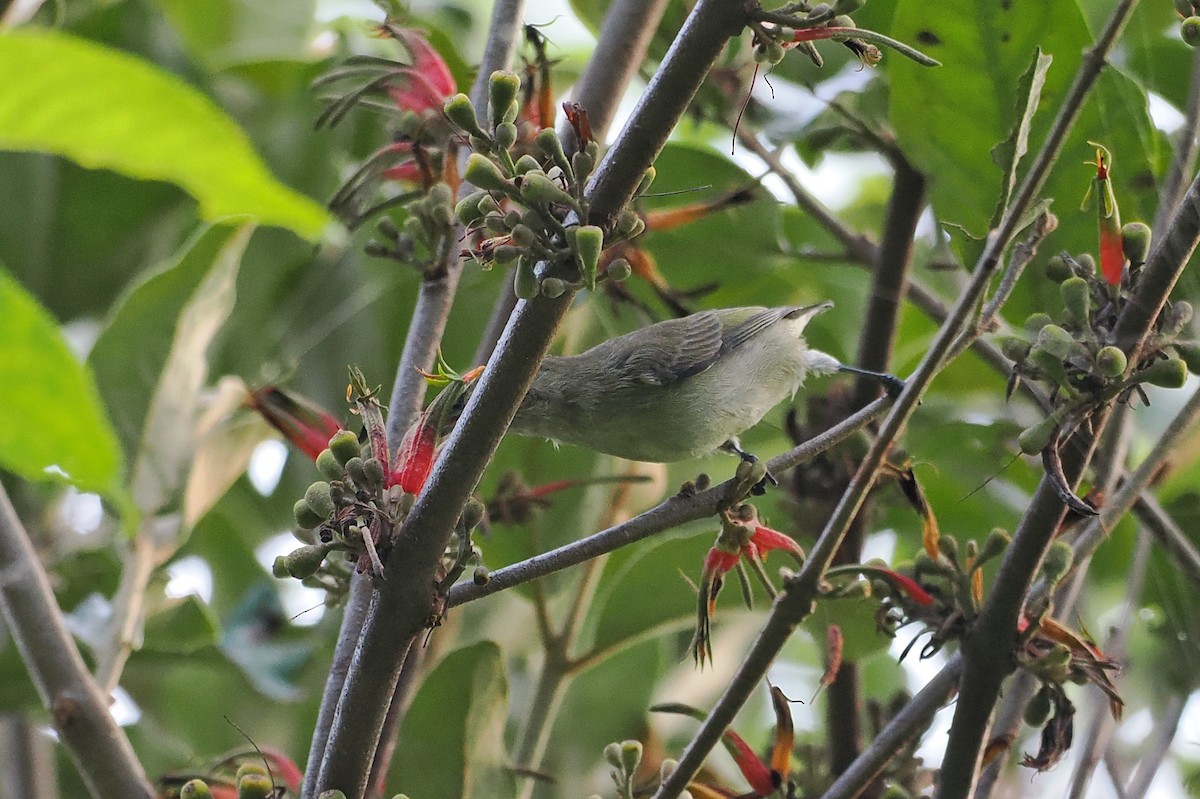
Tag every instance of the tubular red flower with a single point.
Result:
(762, 779)
(415, 457)
(305, 424)
(426, 61)
(766, 540)
(908, 586)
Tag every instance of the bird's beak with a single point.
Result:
(809, 311)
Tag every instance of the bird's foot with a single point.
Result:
(752, 474)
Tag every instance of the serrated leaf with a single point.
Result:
(106, 109)
(151, 360)
(1008, 154)
(53, 417)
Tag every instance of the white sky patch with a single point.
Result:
(190, 575)
(79, 512)
(304, 606)
(266, 466)
(124, 710)
(1165, 116)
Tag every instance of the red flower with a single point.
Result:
(906, 585)
(414, 459)
(307, 425)
(427, 84)
(737, 539)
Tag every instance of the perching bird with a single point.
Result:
(678, 389)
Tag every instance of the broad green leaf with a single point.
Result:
(181, 627)
(151, 360)
(947, 120)
(53, 418)
(454, 732)
(105, 109)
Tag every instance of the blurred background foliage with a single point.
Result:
(227, 644)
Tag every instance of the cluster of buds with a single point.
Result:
(272, 776)
(799, 25)
(531, 207)
(1189, 27)
(624, 758)
(365, 493)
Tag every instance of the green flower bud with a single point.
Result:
(328, 465)
(1086, 263)
(502, 97)
(948, 546)
(646, 181)
(1015, 348)
(996, 542)
(526, 163)
(553, 287)
(481, 575)
(467, 209)
(506, 135)
(344, 446)
(1189, 29)
(1177, 316)
(582, 165)
(440, 194)
(589, 242)
(1059, 558)
(612, 753)
(306, 517)
(1135, 242)
(618, 269)
(195, 789)
(547, 142)
(1189, 352)
(1171, 373)
(1035, 323)
(1058, 342)
(525, 282)
(541, 189)
(254, 786)
(1037, 712)
(506, 254)
(1077, 299)
(472, 513)
(523, 236)
(631, 755)
(1036, 438)
(305, 561)
(482, 173)
(319, 499)
(461, 112)
(1110, 362)
(488, 205)
(1057, 268)
(373, 470)
(250, 768)
(354, 468)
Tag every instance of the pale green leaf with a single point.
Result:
(105, 109)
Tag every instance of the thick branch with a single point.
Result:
(79, 709)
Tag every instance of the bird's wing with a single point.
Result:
(677, 349)
(756, 323)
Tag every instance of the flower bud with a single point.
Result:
(481, 575)
(1189, 29)
(502, 97)
(1050, 365)
(1036, 438)
(1177, 316)
(506, 135)
(1171, 373)
(1135, 242)
(1035, 323)
(996, 542)
(354, 468)
(1058, 342)
(373, 470)
(553, 287)
(589, 241)
(541, 189)
(1110, 362)
(1059, 558)
(646, 181)
(612, 753)
(461, 112)
(1077, 299)
(482, 173)
(526, 163)
(319, 499)
(472, 513)
(506, 254)
(306, 517)
(948, 546)
(1086, 263)
(525, 282)
(582, 165)
(547, 142)
(618, 270)
(305, 561)
(1015, 348)
(195, 789)
(1038, 710)
(631, 755)
(328, 465)
(344, 446)
(254, 786)
(1057, 268)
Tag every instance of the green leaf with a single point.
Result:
(105, 109)
(151, 360)
(1008, 153)
(454, 731)
(947, 120)
(181, 627)
(53, 416)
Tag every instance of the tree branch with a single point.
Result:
(79, 709)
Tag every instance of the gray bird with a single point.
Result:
(678, 389)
